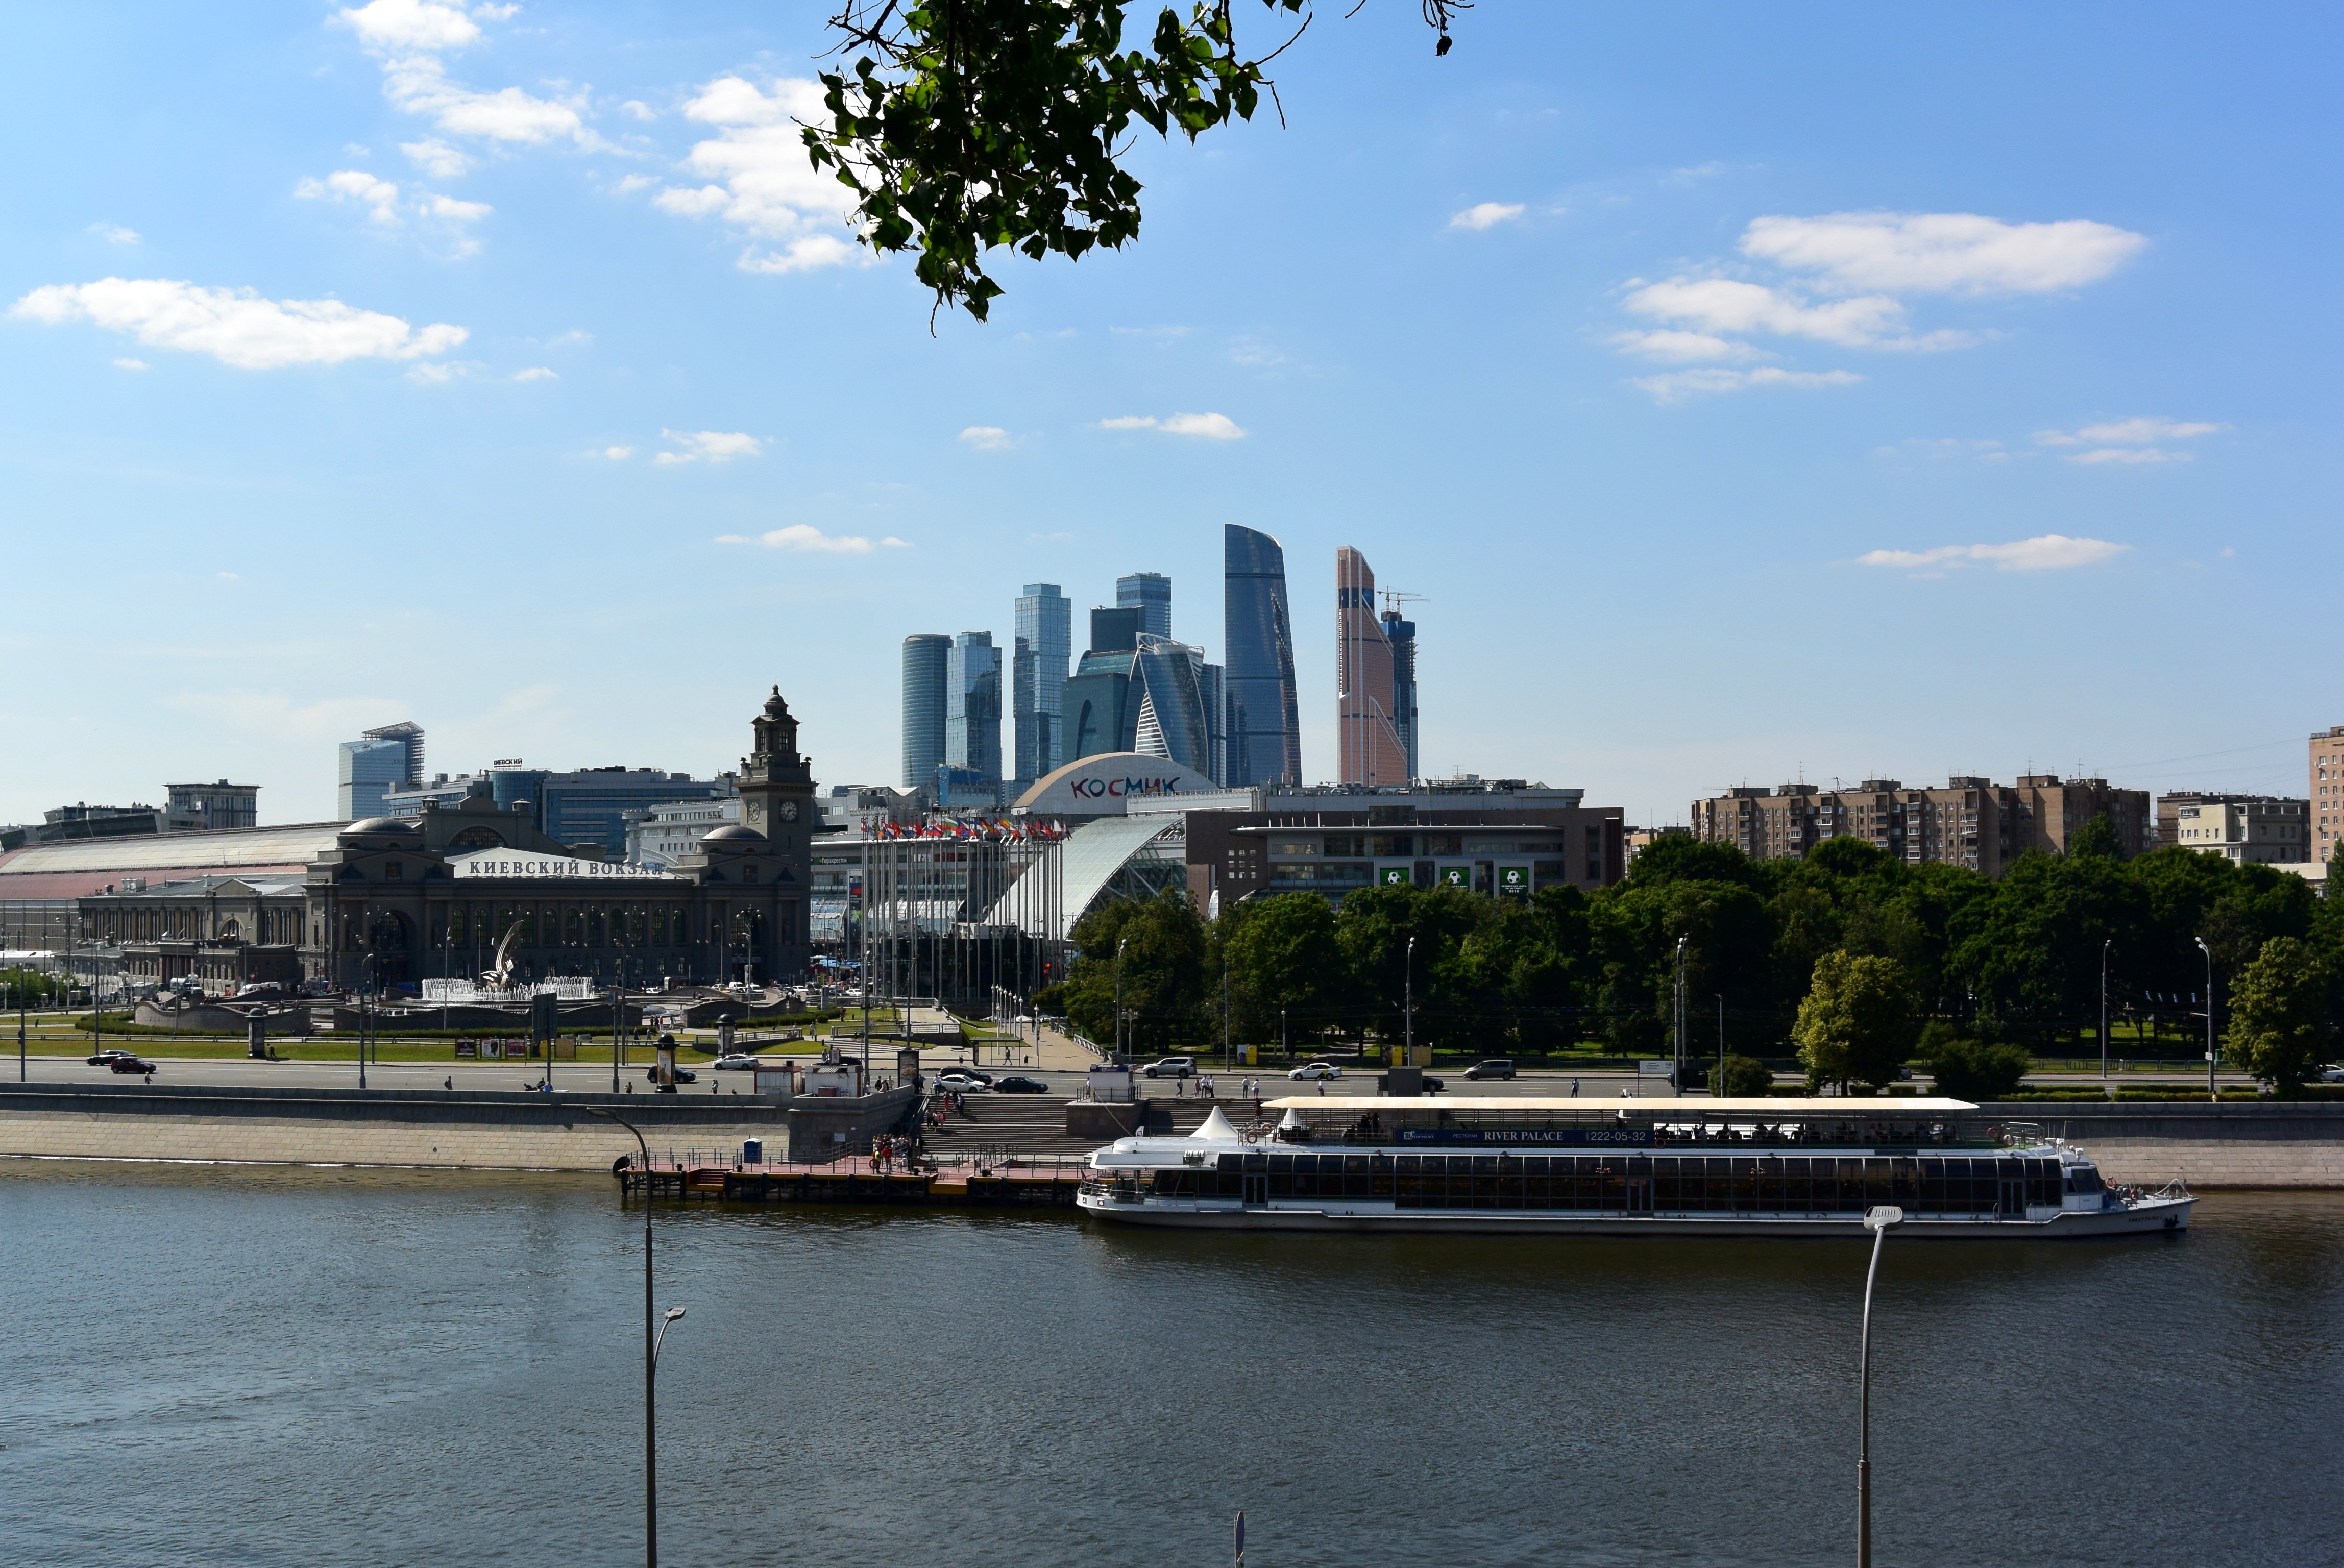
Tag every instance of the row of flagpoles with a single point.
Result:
(967, 828)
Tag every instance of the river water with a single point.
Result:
(204, 1365)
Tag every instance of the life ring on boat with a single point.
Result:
(1252, 1135)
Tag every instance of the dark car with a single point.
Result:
(1020, 1085)
(129, 1064)
(1496, 1068)
(107, 1056)
(1433, 1086)
(682, 1076)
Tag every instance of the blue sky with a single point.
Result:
(1841, 391)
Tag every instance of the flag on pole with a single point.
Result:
(1240, 1538)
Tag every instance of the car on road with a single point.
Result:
(127, 1063)
(107, 1056)
(682, 1076)
(964, 1080)
(1305, 1074)
(2331, 1074)
(1433, 1086)
(735, 1063)
(1020, 1085)
(1171, 1067)
(1495, 1068)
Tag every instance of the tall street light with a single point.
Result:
(2105, 945)
(2211, 1092)
(1119, 996)
(1877, 1221)
(654, 1334)
(1408, 993)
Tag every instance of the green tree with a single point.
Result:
(1741, 1078)
(2279, 1018)
(1282, 954)
(1856, 1025)
(1163, 948)
(1973, 1069)
(1373, 927)
(2098, 838)
(966, 126)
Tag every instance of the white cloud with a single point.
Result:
(1487, 215)
(1941, 252)
(2129, 455)
(419, 85)
(803, 536)
(1679, 348)
(1212, 427)
(756, 177)
(616, 454)
(454, 211)
(433, 373)
(277, 716)
(229, 576)
(2128, 432)
(437, 158)
(638, 109)
(536, 373)
(630, 183)
(2047, 552)
(1719, 305)
(389, 25)
(115, 233)
(710, 446)
(1677, 386)
(354, 184)
(127, 363)
(987, 438)
(236, 326)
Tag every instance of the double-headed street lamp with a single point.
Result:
(1407, 993)
(1877, 1221)
(1119, 996)
(655, 1327)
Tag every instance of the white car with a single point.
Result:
(736, 1063)
(2331, 1075)
(1315, 1070)
(962, 1081)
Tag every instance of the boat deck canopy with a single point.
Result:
(1698, 1109)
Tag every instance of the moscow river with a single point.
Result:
(206, 1365)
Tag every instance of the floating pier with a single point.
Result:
(1014, 1181)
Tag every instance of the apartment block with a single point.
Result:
(2327, 792)
(2256, 829)
(1972, 822)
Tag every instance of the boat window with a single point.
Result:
(2083, 1178)
(1282, 1162)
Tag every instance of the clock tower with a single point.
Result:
(777, 787)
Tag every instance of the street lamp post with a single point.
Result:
(1119, 996)
(1676, 1075)
(655, 1327)
(2211, 1092)
(2105, 944)
(1407, 993)
(1877, 1221)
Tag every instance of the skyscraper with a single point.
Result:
(1401, 636)
(1264, 720)
(1151, 594)
(1371, 750)
(928, 658)
(1044, 643)
(973, 716)
(378, 760)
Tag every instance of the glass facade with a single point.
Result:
(927, 659)
(368, 768)
(1264, 722)
(1043, 646)
(1401, 636)
(1151, 594)
(973, 716)
(1637, 1184)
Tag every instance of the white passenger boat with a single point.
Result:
(1619, 1168)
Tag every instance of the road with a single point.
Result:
(583, 1077)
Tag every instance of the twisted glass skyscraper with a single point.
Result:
(1265, 720)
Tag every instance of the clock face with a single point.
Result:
(788, 810)
(756, 809)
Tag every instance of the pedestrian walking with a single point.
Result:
(1574, 1088)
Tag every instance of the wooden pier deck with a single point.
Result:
(1038, 1181)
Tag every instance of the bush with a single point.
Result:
(1978, 1069)
(1741, 1078)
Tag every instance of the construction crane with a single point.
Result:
(1394, 598)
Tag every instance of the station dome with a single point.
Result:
(735, 833)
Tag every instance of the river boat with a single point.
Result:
(1689, 1167)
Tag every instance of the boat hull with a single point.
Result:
(2150, 1216)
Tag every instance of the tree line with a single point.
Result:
(1849, 960)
